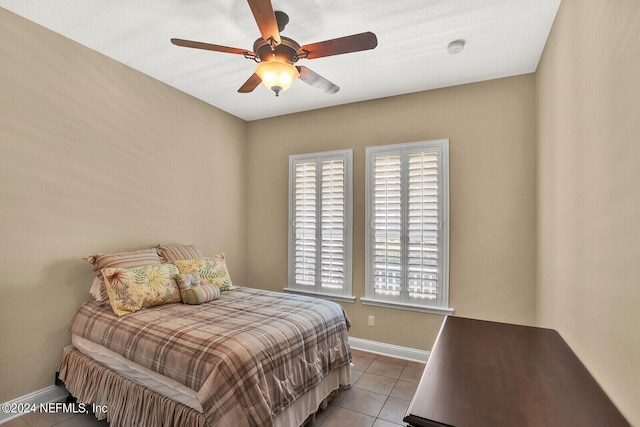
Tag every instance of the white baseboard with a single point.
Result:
(46, 395)
(392, 350)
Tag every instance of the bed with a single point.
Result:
(249, 358)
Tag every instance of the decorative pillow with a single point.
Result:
(121, 260)
(193, 292)
(212, 271)
(188, 280)
(132, 289)
(171, 253)
(96, 288)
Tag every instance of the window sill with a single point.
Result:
(411, 307)
(332, 297)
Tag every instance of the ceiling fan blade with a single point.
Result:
(209, 46)
(354, 43)
(316, 80)
(266, 19)
(250, 84)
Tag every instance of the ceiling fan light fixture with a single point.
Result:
(277, 76)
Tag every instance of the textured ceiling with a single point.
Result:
(503, 38)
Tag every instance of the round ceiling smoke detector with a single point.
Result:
(455, 46)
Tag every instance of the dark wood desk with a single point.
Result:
(494, 374)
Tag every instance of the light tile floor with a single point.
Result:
(380, 395)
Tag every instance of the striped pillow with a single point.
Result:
(193, 292)
(121, 260)
(174, 252)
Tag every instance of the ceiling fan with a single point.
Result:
(276, 54)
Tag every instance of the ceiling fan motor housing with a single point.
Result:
(286, 51)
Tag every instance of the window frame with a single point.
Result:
(345, 294)
(441, 148)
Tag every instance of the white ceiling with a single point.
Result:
(503, 38)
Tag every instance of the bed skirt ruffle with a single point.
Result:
(92, 383)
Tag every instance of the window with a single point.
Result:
(320, 205)
(407, 233)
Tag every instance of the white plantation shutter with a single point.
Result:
(422, 226)
(305, 224)
(407, 234)
(387, 226)
(332, 257)
(320, 223)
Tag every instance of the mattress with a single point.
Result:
(138, 373)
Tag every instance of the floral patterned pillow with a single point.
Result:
(212, 271)
(132, 289)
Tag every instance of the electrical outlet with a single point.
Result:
(372, 321)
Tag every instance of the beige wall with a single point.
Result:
(491, 131)
(588, 91)
(96, 157)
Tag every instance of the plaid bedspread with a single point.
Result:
(262, 349)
